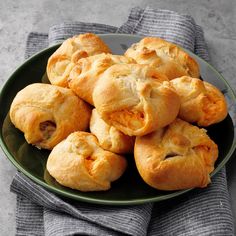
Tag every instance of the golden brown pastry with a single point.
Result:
(179, 156)
(135, 99)
(79, 163)
(62, 60)
(109, 137)
(167, 57)
(201, 102)
(47, 114)
(85, 74)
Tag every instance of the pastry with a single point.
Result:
(179, 156)
(85, 74)
(135, 99)
(201, 102)
(47, 114)
(109, 137)
(167, 57)
(79, 163)
(62, 60)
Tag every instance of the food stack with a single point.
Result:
(99, 107)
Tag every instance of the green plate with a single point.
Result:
(130, 188)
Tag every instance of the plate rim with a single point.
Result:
(100, 201)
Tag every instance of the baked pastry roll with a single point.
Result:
(79, 163)
(135, 99)
(85, 74)
(109, 137)
(47, 114)
(62, 60)
(167, 57)
(179, 156)
(201, 102)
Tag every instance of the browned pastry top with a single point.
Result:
(201, 102)
(109, 137)
(167, 57)
(62, 60)
(87, 71)
(136, 99)
(179, 156)
(47, 114)
(80, 163)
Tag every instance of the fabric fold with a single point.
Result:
(60, 32)
(169, 25)
(132, 220)
(202, 212)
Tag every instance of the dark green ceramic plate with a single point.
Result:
(130, 189)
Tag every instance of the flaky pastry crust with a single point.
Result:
(135, 99)
(179, 156)
(62, 61)
(109, 137)
(201, 102)
(79, 163)
(167, 57)
(87, 71)
(47, 114)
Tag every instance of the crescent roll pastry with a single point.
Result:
(201, 102)
(179, 156)
(109, 137)
(85, 74)
(47, 114)
(170, 59)
(62, 60)
(135, 99)
(79, 163)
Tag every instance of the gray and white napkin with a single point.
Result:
(199, 212)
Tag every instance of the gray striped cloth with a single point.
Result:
(200, 212)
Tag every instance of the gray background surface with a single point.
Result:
(18, 18)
